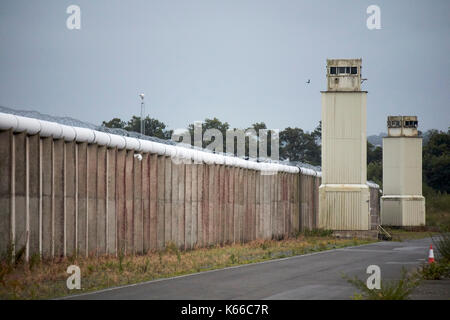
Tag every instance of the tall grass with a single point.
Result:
(437, 208)
(442, 245)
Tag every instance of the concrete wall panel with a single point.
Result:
(160, 185)
(146, 202)
(138, 225)
(59, 197)
(120, 173)
(200, 206)
(168, 200)
(20, 211)
(5, 190)
(188, 206)
(92, 198)
(111, 214)
(70, 187)
(82, 208)
(129, 202)
(101, 201)
(153, 201)
(194, 204)
(34, 214)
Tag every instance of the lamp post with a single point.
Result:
(142, 113)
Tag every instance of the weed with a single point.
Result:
(35, 260)
(317, 233)
(265, 245)
(144, 268)
(19, 256)
(171, 247)
(442, 245)
(121, 256)
(391, 290)
(435, 271)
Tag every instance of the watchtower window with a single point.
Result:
(343, 70)
(410, 124)
(394, 124)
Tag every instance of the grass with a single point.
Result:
(442, 245)
(437, 209)
(38, 279)
(402, 234)
(389, 290)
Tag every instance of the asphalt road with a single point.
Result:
(313, 276)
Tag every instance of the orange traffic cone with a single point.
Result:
(431, 255)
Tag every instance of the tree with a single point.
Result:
(114, 123)
(210, 124)
(375, 172)
(257, 127)
(374, 154)
(317, 133)
(297, 145)
(436, 160)
(152, 127)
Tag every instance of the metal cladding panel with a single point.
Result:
(391, 212)
(403, 211)
(344, 210)
(344, 137)
(413, 212)
(402, 166)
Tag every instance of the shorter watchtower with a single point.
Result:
(402, 203)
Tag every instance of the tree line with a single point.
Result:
(295, 143)
(299, 145)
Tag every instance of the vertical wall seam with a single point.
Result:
(52, 249)
(76, 200)
(27, 198)
(40, 196)
(64, 199)
(13, 195)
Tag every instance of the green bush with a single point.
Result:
(435, 271)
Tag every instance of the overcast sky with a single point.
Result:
(243, 61)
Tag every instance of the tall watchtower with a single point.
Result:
(344, 194)
(402, 203)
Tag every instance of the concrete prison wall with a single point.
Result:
(67, 190)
